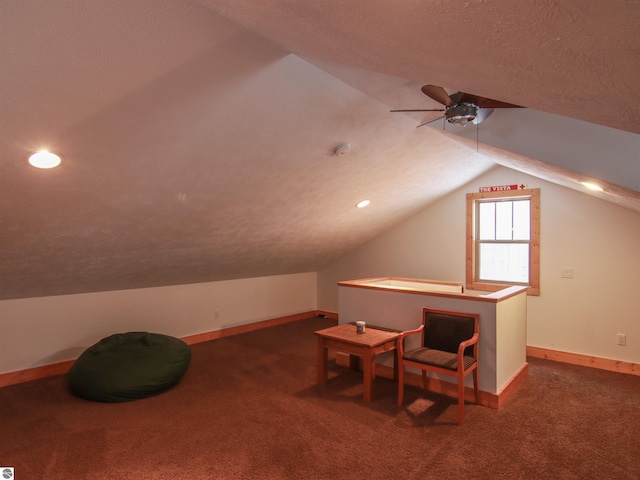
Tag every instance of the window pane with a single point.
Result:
(522, 220)
(487, 221)
(504, 262)
(504, 221)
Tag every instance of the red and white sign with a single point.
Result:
(502, 188)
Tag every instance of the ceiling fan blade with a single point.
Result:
(482, 115)
(429, 121)
(456, 97)
(438, 94)
(483, 102)
(422, 110)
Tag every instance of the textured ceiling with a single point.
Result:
(197, 135)
(574, 58)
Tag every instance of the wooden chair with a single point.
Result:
(449, 346)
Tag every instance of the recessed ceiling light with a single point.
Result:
(592, 186)
(362, 203)
(44, 159)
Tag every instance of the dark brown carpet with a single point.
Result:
(249, 408)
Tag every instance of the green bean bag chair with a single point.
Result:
(129, 366)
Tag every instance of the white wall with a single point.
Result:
(601, 241)
(45, 330)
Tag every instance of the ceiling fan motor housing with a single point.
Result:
(461, 113)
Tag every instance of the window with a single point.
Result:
(503, 240)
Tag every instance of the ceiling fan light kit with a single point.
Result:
(461, 113)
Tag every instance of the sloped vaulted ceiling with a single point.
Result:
(574, 58)
(197, 135)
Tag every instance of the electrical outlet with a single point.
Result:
(622, 340)
(216, 314)
(566, 272)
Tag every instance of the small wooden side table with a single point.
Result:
(367, 345)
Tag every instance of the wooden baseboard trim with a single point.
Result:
(61, 368)
(248, 327)
(35, 373)
(512, 385)
(449, 389)
(329, 315)
(608, 364)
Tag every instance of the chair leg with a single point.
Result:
(400, 383)
(424, 380)
(460, 398)
(475, 386)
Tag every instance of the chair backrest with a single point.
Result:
(445, 330)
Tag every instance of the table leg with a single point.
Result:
(369, 373)
(322, 362)
(395, 365)
(354, 362)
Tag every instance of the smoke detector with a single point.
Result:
(341, 150)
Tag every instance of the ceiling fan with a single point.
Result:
(461, 108)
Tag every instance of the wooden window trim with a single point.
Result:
(534, 266)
